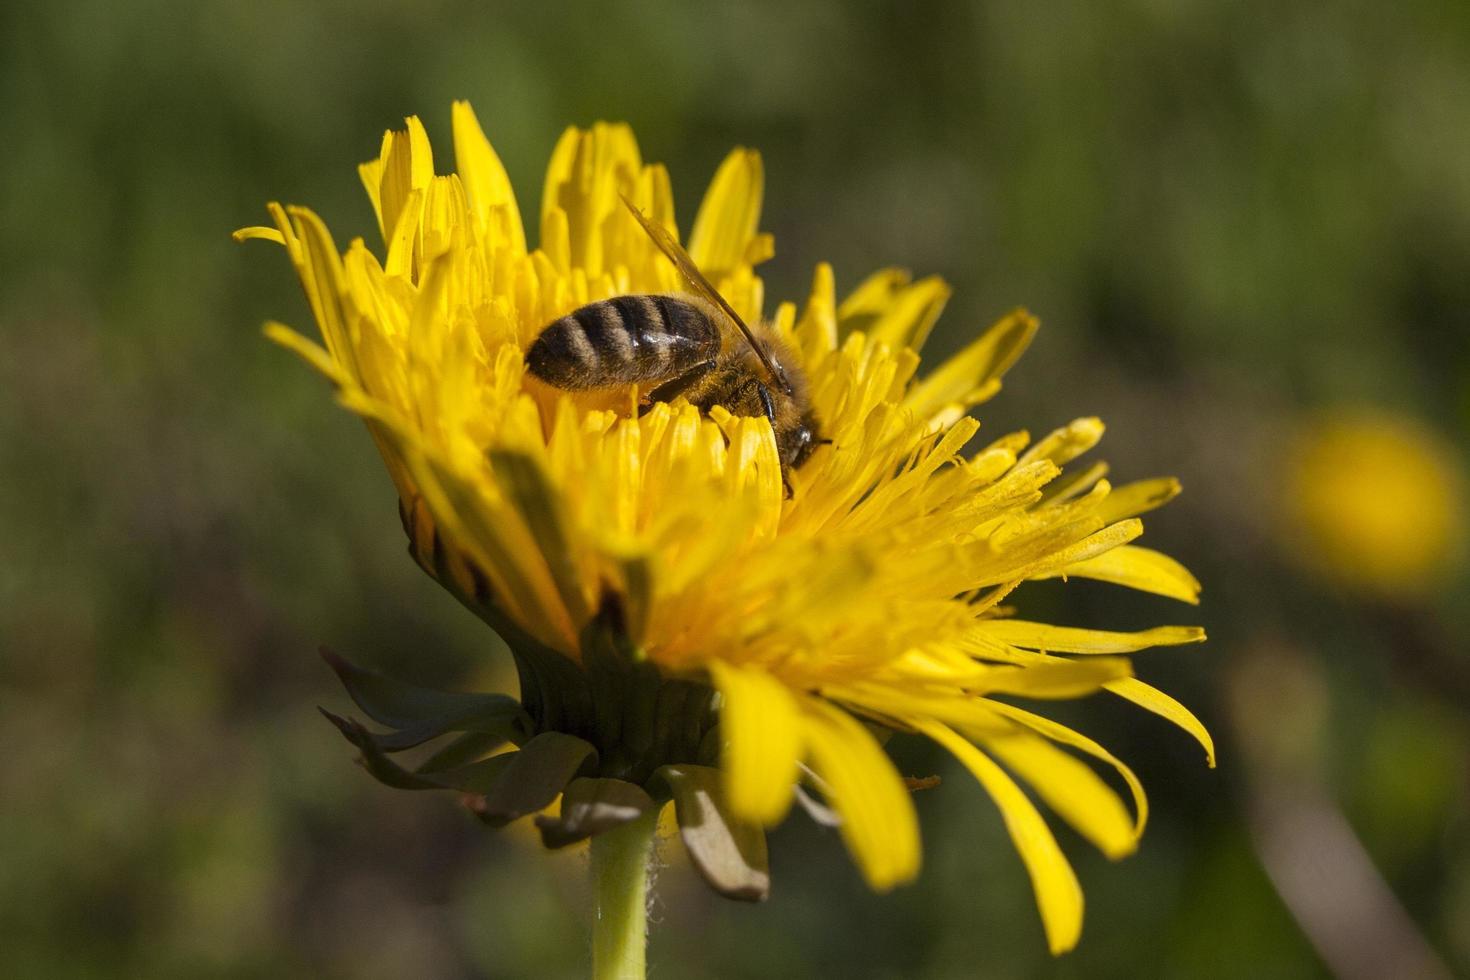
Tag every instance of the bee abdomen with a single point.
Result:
(623, 340)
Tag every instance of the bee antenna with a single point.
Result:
(676, 254)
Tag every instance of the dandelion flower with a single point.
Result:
(686, 626)
(1374, 502)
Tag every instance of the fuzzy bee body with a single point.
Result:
(624, 340)
(691, 345)
(676, 345)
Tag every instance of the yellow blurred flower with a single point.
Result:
(1374, 501)
(866, 600)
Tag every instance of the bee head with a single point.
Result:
(800, 442)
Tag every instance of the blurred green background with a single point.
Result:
(1230, 217)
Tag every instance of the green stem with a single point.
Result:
(620, 899)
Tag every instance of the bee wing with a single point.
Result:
(702, 286)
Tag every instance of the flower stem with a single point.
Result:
(620, 899)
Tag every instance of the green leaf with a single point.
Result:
(730, 854)
(590, 806)
(533, 777)
(421, 713)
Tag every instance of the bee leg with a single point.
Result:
(676, 386)
(768, 405)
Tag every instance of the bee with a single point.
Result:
(692, 345)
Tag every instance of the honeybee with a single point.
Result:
(682, 345)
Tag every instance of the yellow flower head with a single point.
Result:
(774, 632)
(1374, 502)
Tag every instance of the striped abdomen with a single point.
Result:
(624, 340)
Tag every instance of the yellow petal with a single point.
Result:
(1075, 483)
(816, 331)
(1058, 895)
(446, 213)
(878, 820)
(1152, 699)
(1056, 678)
(762, 732)
(1072, 789)
(890, 309)
(588, 170)
(1066, 443)
(987, 648)
(256, 231)
(484, 175)
(761, 248)
(1063, 639)
(501, 546)
(371, 173)
(556, 240)
(403, 237)
(559, 170)
(1138, 568)
(321, 275)
(1133, 499)
(1099, 544)
(309, 351)
(974, 373)
(729, 215)
(407, 165)
(525, 485)
(870, 299)
(1066, 736)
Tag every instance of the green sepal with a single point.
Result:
(730, 854)
(533, 777)
(711, 746)
(641, 720)
(473, 778)
(420, 714)
(590, 806)
(502, 787)
(554, 689)
(373, 759)
(467, 748)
